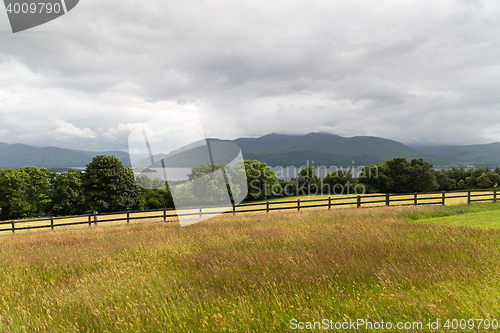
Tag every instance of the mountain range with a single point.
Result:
(281, 150)
(17, 155)
(330, 150)
(479, 155)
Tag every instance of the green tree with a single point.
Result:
(308, 182)
(422, 176)
(156, 199)
(286, 188)
(159, 184)
(374, 178)
(68, 197)
(144, 181)
(25, 192)
(339, 182)
(109, 186)
(204, 170)
(262, 181)
(399, 176)
(470, 182)
(484, 181)
(444, 182)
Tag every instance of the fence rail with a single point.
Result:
(170, 215)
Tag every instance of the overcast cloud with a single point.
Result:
(413, 71)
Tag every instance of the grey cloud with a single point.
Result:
(412, 71)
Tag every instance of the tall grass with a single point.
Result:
(249, 273)
(440, 211)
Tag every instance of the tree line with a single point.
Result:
(107, 185)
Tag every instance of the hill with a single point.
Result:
(273, 149)
(18, 155)
(330, 150)
(479, 155)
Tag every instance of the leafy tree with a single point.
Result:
(25, 192)
(68, 197)
(144, 181)
(374, 178)
(308, 181)
(494, 177)
(444, 182)
(470, 182)
(484, 181)
(109, 186)
(423, 177)
(204, 170)
(159, 184)
(262, 181)
(211, 186)
(339, 182)
(399, 176)
(156, 199)
(286, 188)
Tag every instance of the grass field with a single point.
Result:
(255, 272)
(480, 216)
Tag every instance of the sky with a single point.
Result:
(415, 71)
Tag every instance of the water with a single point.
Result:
(173, 174)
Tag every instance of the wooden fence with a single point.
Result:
(170, 215)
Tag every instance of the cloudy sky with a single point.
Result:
(413, 71)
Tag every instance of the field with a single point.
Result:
(257, 272)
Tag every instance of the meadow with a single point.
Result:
(256, 272)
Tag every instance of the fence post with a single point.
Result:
(495, 195)
(234, 209)
(200, 212)
(298, 204)
(95, 218)
(90, 219)
(468, 197)
(329, 202)
(443, 197)
(267, 206)
(164, 215)
(52, 223)
(358, 201)
(128, 216)
(13, 227)
(387, 199)
(415, 198)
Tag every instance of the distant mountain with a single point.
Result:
(18, 155)
(273, 149)
(330, 150)
(479, 155)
